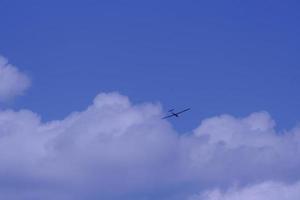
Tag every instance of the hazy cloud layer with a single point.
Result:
(12, 81)
(116, 150)
(262, 191)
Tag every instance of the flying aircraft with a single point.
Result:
(175, 114)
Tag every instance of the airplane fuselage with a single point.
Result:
(176, 115)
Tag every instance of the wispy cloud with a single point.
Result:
(261, 191)
(12, 81)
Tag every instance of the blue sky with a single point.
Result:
(214, 56)
(237, 58)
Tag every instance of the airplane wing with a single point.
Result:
(168, 116)
(183, 111)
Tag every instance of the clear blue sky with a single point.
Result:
(216, 57)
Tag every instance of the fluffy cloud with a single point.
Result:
(262, 191)
(114, 150)
(12, 81)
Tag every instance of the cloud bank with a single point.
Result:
(116, 150)
(12, 81)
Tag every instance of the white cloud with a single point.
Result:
(12, 81)
(114, 150)
(257, 130)
(262, 191)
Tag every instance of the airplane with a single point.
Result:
(173, 114)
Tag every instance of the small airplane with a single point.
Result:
(173, 114)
